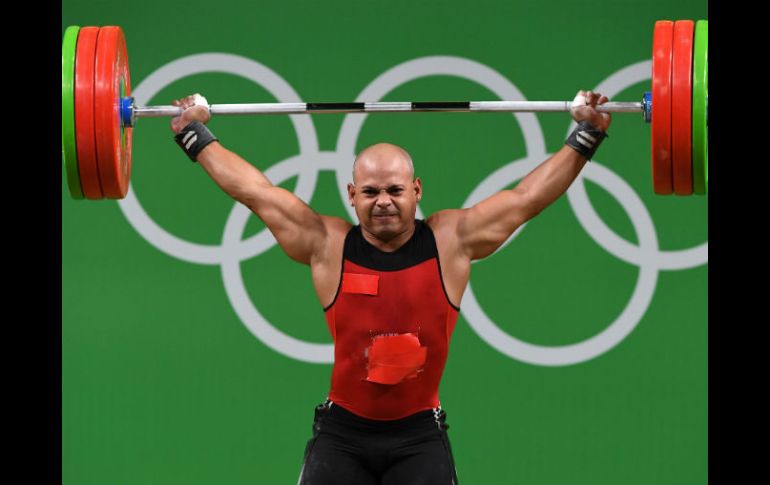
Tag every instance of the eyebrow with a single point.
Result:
(394, 186)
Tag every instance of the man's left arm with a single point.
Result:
(483, 228)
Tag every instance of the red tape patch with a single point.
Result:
(393, 358)
(366, 284)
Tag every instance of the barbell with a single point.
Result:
(99, 114)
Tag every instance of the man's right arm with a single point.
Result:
(301, 232)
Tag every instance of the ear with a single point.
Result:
(351, 193)
(418, 188)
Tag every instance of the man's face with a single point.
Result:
(384, 192)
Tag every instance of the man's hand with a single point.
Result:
(584, 109)
(195, 107)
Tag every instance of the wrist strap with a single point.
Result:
(585, 139)
(193, 138)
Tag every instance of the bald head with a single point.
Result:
(385, 194)
(383, 156)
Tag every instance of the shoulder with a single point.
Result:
(336, 227)
(455, 262)
(445, 221)
(329, 248)
(445, 224)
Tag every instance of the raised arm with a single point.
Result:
(301, 232)
(483, 228)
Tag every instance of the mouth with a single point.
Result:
(382, 216)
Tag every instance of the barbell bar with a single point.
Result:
(99, 114)
(131, 112)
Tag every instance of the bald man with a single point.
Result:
(390, 288)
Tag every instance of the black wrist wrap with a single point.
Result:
(193, 138)
(585, 139)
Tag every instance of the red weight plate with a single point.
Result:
(113, 142)
(681, 107)
(84, 113)
(661, 106)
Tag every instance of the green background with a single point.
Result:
(162, 383)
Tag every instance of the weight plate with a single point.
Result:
(84, 113)
(113, 142)
(661, 107)
(681, 107)
(700, 147)
(68, 143)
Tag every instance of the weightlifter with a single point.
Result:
(390, 288)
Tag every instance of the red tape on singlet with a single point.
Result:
(393, 358)
(360, 283)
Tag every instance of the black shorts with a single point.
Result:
(347, 449)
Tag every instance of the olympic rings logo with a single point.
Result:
(307, 164)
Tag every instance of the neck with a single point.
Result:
(390, 244)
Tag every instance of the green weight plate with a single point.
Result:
(700, 148)
(69, 148)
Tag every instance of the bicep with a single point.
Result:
(485, 227)
(299, 230)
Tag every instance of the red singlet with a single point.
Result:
(391, 322)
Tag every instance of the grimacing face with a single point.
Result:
(384, 191)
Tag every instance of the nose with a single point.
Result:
(383, 199)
